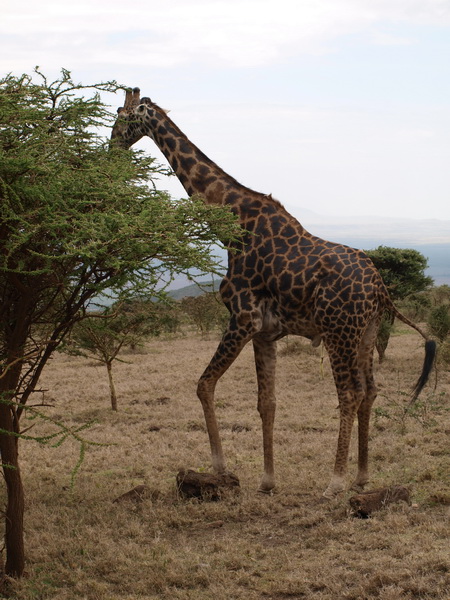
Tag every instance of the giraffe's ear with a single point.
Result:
(166, 110)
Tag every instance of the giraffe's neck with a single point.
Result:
(196, 172)
(256, 212)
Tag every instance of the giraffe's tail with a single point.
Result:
(430, 351)
(430, 356)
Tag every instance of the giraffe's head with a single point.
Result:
(133, 120)
(127, 129)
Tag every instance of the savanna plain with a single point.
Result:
(80, 544)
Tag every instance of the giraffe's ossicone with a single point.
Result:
(283, 281)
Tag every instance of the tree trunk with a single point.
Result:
(17, 330)
(112, 386)
(15, 551)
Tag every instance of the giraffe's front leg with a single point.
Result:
(265, 359)
(229, 348)
(205, 392)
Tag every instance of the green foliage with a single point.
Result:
(59, 434)
(384, 333)
(444, 352)
(169, 317)
(439, 321)
(78, 218)
(207, 312)
(440, 294)
(416, 306)
(101, 336)
(401, 410)
(402, 270)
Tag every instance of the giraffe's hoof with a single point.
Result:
(332, 492)
(357, 487)
(328, 497)
(267, 484)
(324, 499)
(270, 492)
(359, 483)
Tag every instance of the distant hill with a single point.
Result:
(195, 289)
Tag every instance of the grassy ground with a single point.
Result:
(81, 545)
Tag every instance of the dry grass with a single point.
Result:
(81, 545)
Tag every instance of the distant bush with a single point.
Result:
(439, 321)
(290, 346)
(440, 294)
(416, 306)
(444, 353)
(403, 272)
(207, 312)
(384, 333)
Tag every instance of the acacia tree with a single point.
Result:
(403, 272)
(76, 218)
(102, 336)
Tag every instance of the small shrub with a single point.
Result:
(384, 333)
(297, 346)
(444, 353)
(400, 410)
(416, 306)
(206, 311)
(440, 294)
(439, 321)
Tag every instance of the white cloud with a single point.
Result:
(226, 33)
(381, 38)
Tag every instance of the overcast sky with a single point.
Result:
(341, 107)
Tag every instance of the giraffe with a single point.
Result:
(281, 280)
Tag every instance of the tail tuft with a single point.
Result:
(430, 355)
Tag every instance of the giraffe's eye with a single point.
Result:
(141, 109)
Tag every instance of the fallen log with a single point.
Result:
(365, 503)
(205, 486)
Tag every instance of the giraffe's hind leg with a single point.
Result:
(233, 340)
(350, 394)
(365, 362)
(353, 375)
(362, 478)
(265, 360)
